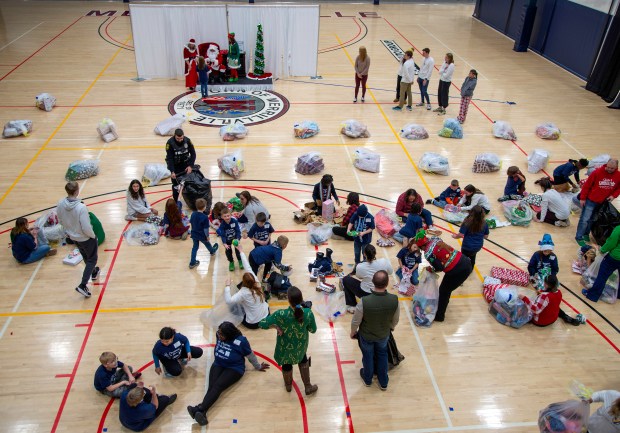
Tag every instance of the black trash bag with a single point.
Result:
(196, 186)
(279, 283)
(394, 355)
(605, 219)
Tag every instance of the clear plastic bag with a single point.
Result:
(514, 314)
(354, 129)
(451, 129)
(45, 101)
(610, 292)
(425, 300)
(330, 306)
(413, 131)
(548, 131)
(597, 161)
(519, 214)
(385, 223)
(565, 417)
(168, 126)
(503, 130)
(589, 276)
(434, 163)
(318, 234)
(455, 217)
(486, 163)
(367, 160)
(306, 129)
(154, 173)
(579, 390)
(232, 163)
(142, 234)
(49, 225)
(537, 160)
(82, 169)
(233, 132)
(222, 312)
(309, 163)
(15, 128)
(107, 130)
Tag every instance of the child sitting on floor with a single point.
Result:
(543, 262)
(409, 257)
(113, 377)
(515, 185)
(450, 195)
(261, 231)
(546, 307)
(412, 225)
(173, 226)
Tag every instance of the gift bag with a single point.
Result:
(222, 312)
(519, 214)
(413, 131)
(142, 234)
(45, 101)
(610, 293)
(354, 129)
(82, 169)
(233, 132)
(434, 163)
(537, 160)
(169, 125)
(596, 162)
(490, 286)
(232, 164)
(330, 306)
(153, 173)
(309, 163)
(451, 129)
(306, 129)
(328, 209)
(503, 130)
(514, 315)
(15, 128)
(511, 276)
(73, 258)
(486, 163)
(318, 234)
(565, 417)
(548, 131)
(604, 220)
(107, 130)
(97, 228)
(425, 300)
(367, 160)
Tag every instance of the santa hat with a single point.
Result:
(192, 41)
(546, 243)
(231, 35)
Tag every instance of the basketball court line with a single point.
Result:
(19, 37)
(22, 296)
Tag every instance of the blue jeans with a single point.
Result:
(37, 254)
(585, 220)
(608, 266)
(440, 203)
(204, 91)
(358, 246)
(206, 243)
(414, 276)
(424, 90)
(370, 349)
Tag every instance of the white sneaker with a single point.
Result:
(562, 223)
(428, 106)
(350, 310)
(355, 100)
(362, 99)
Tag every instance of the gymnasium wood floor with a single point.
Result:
(466, 374)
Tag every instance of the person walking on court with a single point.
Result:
(376, 315)
(73, 215)
(180, 158)
(362, 65)
(424, 76)
(445, 79)
(406, 81)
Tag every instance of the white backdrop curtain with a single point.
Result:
(161, 31)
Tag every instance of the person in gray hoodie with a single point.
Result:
(73, 215)
(467, 92)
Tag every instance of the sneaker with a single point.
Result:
(201, 418)
(382, 388)
(586, 238)
(428, 107)
(196, 263)
(582, 243)
(95, 275)
(231, 266)
(437, 110)
(409, 108)
(582, 319)
(355, 100)
(52, 252)
(421, 104)
(362, 99)
(443, 113)
(562, 223)
(215, 248)
(173, 398)
(429, 201)
(184, 236)
(183, 361)
(83, 290)
(395, 100)
(368, 385)
(350, 309)
(240, 265)
(396, 108)
(192, 411)
(322, 286)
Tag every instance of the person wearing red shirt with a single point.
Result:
(403, 206)
(546, 307)
(353, 200)
(190, 55)
(603, 184)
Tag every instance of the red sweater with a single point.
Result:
(600, 185)
(403, 208)
(546, 307)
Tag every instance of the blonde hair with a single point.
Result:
(107, 357)
(450, 58)
(135, 396)
(282, 241)
(363, 53)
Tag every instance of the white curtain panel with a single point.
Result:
(161, 31)
(290, 36)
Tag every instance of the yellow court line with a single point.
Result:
(387, 143)
(64, 120)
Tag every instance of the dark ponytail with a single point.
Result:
(295, 299)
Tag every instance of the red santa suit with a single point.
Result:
(214, 60)
(190, 52)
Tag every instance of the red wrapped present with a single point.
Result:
(488, 290)
(511, 276)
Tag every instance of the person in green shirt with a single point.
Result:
(233, 57)
(293, 325)
(610, 263)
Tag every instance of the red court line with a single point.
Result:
(80, 325)
(348, 362)
(107, 250)
(62, 375)
(343, 387)
(344, 43)
(30, 56)
(110, 36)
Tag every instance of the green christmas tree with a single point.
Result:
(259, 53)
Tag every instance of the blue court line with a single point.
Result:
(394, 90)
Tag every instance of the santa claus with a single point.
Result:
(214, 61)
(190, 52)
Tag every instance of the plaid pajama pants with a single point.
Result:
(465, 100)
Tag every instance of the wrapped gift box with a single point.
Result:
(511, 276)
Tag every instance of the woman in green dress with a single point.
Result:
(293, 325)
(233, 57)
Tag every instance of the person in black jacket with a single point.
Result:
(180, 157)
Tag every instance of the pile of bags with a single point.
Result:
(451, 129)
(537, 160)
(82, 169)
(434, 163)
(367, 160)
(548, 131)
(45, 101)
(15, 128)
(503, 130)
(168, 126)
(153, 173)
(142, 234)
(354, 129)
(309, 163)
(486, 163)
(413, 131)
(232, 164)
(306, 129)
(107, 130)
(233, 132)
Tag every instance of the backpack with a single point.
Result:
(97, 228)
(278, 283)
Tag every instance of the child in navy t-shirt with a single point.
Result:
(229, 231)
(261, 231)
(200, 232)
(409, 257)
(515, 185)
(363, 223)
(113, 377)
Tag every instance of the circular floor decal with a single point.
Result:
(225, 108)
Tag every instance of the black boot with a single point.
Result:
(319, 255)
(328, 253)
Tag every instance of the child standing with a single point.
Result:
(515, 185)
(363, 223)
(229, 231)
(113, 377)
(261, 231)
(173, 351)
(543, 262)
(546, 307)
(445, 79)
(203, 76)
(173, 220)
(28, 244)
(473, 231)
(362, 65)
(467, 92)
(450, 195)
(409, 257)
(200, 232)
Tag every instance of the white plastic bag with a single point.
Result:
(330, 306)
(107, 130)
(354, 129)
(486, 163)
(232, 163)
(367, 160)
(434, 163)
(503, 130)
(82, 169)
(537, 160)
(597, 161)
(142, 234)
(49, 225)
(319, 233)
(233, 132)
(565, 417)
(168, 126)
(610, 292)
(589, 275)
(452, 128)
(45, 101)
(425, 300)
(154, 173)
(222, 312)
(548, 131)
(306, 129)
(413, 131)
(519, 214)
(309, 163)
(15, 128)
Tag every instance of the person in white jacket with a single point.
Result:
(554, 209)
(408, 72)
(424, 77)
(252, 206)
(445, 79)
(138, 207)
(73, 215)
(250, 296)
(607, 418)
(472, 196)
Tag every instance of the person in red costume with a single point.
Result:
(442, 257)
(190, 53)
(233, 57)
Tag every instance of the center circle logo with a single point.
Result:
(228, 107)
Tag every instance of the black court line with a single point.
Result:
(350, 43)
(110, 42)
